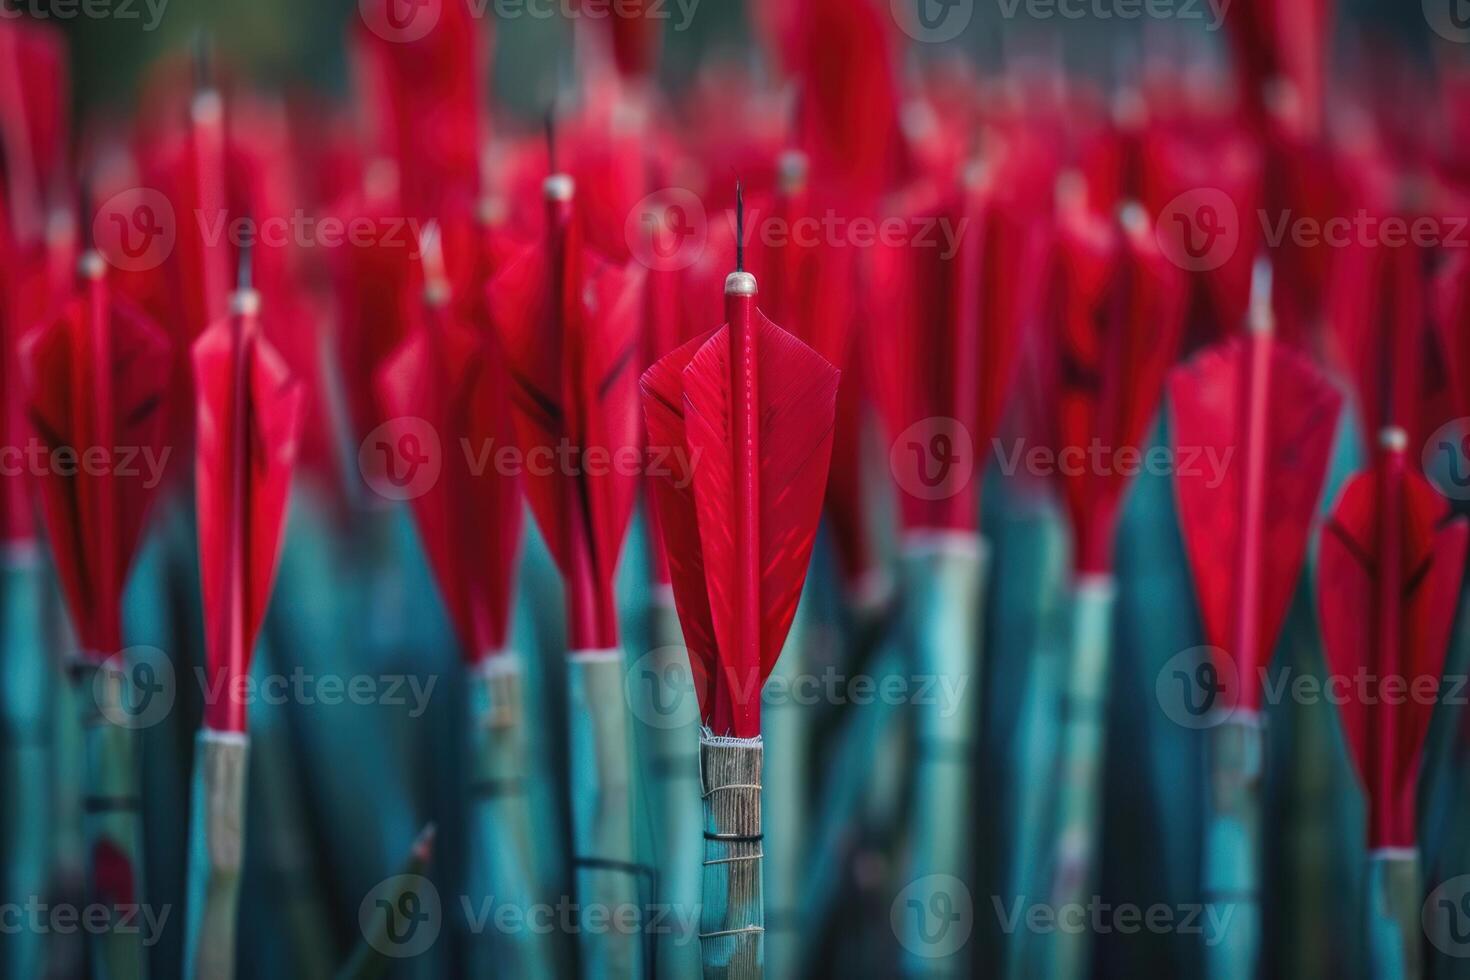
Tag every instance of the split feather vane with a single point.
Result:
(1268, 416)
(450, 373)
(97, 377)
(569, 324)
(755, 408)
(248, 425)
(1389, 577)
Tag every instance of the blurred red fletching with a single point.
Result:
(569, 324)
(450, 373)
(690, 399)
(1282, 42)
(1388, 580)
(1381, 337)
(248, 420)
(97, 378)
(35, 109)
(1212, 418)
(422, 94)
(948, 338)
(1118, 308)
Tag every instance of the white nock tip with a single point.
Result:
(559, 187)
(1261, 319)
(793, 169)
(208, 106)
(1393, 439)
(245, 302)
(1133, 217)
(91, 265)
(740, 284)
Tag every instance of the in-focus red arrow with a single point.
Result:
(248, 420)
(1387, 586)
(1268, 416)
(98, 383)
(451, 374)
(569, 325)
(753, 408)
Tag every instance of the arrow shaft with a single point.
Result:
(1255, 384)
(96, 390)
(1383, 739)
(745, 444)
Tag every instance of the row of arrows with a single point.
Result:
(607, 284)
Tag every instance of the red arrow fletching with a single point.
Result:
(569, 325)
(1388, 582)
(740, 537)
(247, 429)
(1245, 528)
(98, 383)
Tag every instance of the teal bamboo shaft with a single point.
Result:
(1083, 747)
(111, 817)
(25, 698)
(786, 722)
(501, 840)
(607, 875)
(216, 853)
(668, 705)
(945, 591)
(1232, 849)
(732, 918)
(1395, 901)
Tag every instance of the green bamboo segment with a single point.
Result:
(670, 709)
(786, 723)
(402, 920)
(501, 840)
(111, 816)
(732, 919)
(216, 852)
(1395, 905)
(28, 762)
(607, 872)
(1232, 847)
(1083, 747)
(945, 589)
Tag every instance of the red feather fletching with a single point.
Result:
(98, 383)
(247, 430)
(740, 535)
(451, 374)
(569, 323)
(1272, 489)
(1388, 582)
